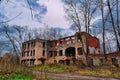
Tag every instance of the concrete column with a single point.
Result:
(76, 52)
(29, 62)
(58, 53)
(63, 52)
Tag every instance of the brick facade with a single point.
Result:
(65, 50)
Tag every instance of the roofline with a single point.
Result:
(62, 38)
(35, 40)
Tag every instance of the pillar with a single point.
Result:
(63, 51)
(76, 52)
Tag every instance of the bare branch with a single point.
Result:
(30, 8)
(11, 18)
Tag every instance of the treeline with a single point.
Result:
(12, 37)
(97, 17)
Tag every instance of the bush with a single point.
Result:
(15, 77)
(20, 73)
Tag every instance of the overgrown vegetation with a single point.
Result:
(15, 77)
(12, 71)
(110, 71)
(19, 73)
(55, 68)
(100, 71)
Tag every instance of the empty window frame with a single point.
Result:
(79, 38)
(73, 41)
(22, 54)
(32, 44)
(43, 53)
(80, 51)
(28, 45)
(33, 52)
(43, 44)
(55, 53)
(27, 53)
(24, 46)
(61, 53)
(50, 54)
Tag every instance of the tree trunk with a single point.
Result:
(113, 25)
(117, 10)
(103, 24)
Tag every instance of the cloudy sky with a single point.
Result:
(45, 12)
(50, 12)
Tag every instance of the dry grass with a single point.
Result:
(109, 71)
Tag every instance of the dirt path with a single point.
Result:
(70, 76)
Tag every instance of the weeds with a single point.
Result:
(15, 77)
(55, 68)
(109, 71)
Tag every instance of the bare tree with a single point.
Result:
(102, 6)
(30, 7)
(113, 24)
(15, 35)
(81, 12)
(117, 15)
(105, 20)
(54, 34)
(5, 30)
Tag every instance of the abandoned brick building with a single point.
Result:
(65, 50)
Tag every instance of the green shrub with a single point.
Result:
(15, 77)
(20, 73)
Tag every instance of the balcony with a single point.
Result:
(61, 57)
(42, 58)
(64, 58)
(27, 57)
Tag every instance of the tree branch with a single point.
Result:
(30, 8)
(11, 18)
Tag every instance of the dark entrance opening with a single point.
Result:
(115, 62)
(32, 61)
(42, 60)
(70, 52)
(67, 62)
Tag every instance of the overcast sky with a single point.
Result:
(45, 12)
(50, 12)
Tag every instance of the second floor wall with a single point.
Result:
(44, 48)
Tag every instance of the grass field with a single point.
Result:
(109, 71)
(20, 73)
(25, 73)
